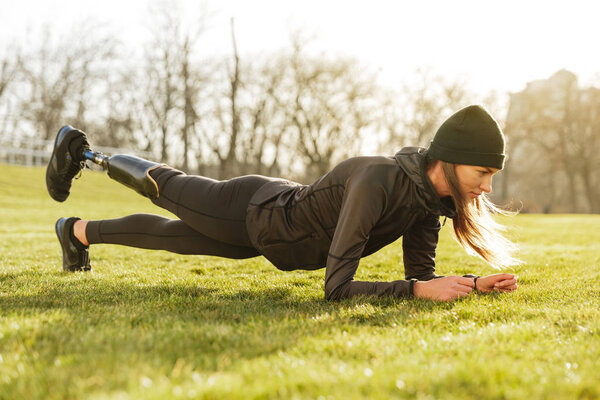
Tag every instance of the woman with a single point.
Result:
(363, 204)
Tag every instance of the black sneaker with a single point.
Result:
(66, 161)
(75, 258)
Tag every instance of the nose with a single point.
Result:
(486, 185)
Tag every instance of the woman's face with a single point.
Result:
(474, 180)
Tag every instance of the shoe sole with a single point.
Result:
(63, 131)
(60, 240)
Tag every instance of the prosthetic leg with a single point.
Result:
(131, 171)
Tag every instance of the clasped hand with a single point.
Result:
(454, 287)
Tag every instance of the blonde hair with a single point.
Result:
(475, 228)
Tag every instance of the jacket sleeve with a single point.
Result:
(418, 246)
(362, 206)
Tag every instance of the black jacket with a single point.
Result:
(362, 205)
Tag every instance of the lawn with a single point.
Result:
(154, 325)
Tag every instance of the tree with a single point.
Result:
(173, 87)
(8, 75)
(330, 106)
(161, 87)
(264, 122)
(8, 71)
(123, 117)
(421, 107)
(225, 125)
(587, 158)
(228, 161)
(58, 78)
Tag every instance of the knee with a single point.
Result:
(169, 181)
(164, 173)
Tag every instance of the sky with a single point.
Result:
(492, 45)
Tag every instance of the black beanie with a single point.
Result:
(471, 136)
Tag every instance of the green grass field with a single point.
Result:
(154, 325)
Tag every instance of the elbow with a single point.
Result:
(330, 295)
(333, 293)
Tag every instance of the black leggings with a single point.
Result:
(212, 217)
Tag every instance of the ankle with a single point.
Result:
(96, 157)
(79, 232)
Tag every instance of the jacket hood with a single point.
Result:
(413, 162)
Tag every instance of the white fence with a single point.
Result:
(32, 152)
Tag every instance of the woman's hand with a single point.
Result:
(444, 289)
(497, 282)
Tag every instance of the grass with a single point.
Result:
(154, 325)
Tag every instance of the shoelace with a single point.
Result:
(74, 171)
